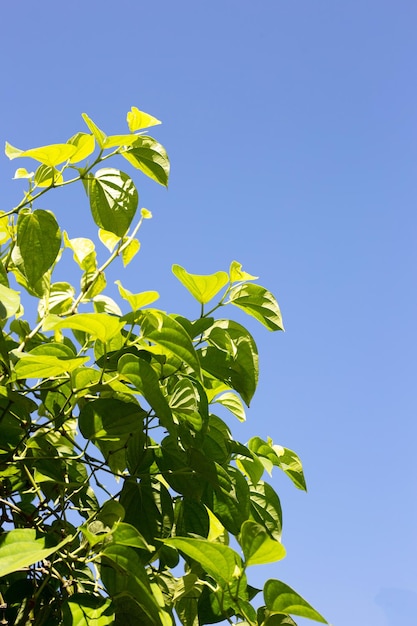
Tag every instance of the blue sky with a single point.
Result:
(291, 128)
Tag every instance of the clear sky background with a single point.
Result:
(291, 128)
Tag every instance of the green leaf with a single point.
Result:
(34, 366)
(219, 561)
(58, 300)
(136, 120)
(130, 251)
(51, 155)
(97, 419)
(104, 304)
(97, 325)
(113, 199)
(84, 144)
(291, 465)
(127, 535)
(137, 300)
(124, 575)
(232, 357)
(98, 134)
(202, 287)
(110, 240)
(117, 141)
(84, 252)
(84, 609)
(149, 156)
(164, 330)
(266, 508)
(9, 302)
(280, 598)
(137, 371)
(258, 302)
(47, 176)
(285, 459)
(257, 545)
(39, 241)
(236, 274)
(21, 547)
(232, 402)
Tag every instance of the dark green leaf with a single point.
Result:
(150, 157)
(113, 199)
(110, 419)
(39, 241)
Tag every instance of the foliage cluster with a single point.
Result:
(89, 393)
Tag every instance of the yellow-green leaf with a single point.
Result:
(84, 143)
(51, 155)
(237, 274)
(202, 286)
(130, 251)
(97, 325)
(136, 120)
(137, 300)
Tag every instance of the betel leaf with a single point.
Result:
(136, 120)
(232, 402)
(47, 176)
(257, 545)
(280, 598)
(219, 561)
(258, 302)
(150, 157)
(98, 134)
(9, 302)
(84, 144)
(124, 575)
(113, 199)
(39, 241)
(84, 252)
(130, 251)
(291, 465)
(232, 357)
(22, 547)
(236, 274)
(164, 330)
(38, 366)
(85, 609)
(109, 419)
(97, 325)
(202, 287)
(137, 300)
(266, 508)
(285, 459)
(51, 155)
(144, 378)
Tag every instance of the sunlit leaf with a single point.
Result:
(9, 302)
(202, 287)
(38, 366)
(98, 134)
(280, 598)
(84, 144)
(257, 545)
(219, 561)
(97, 325)
(137, 300)
(113, 199)
(51, 155)
(258, 302)
(232, 402)
(110, 240)
(164, 330)
(130, 251)
(84, 252)
(84, 609)
(21, 547)
(136, 120)
(39, 242)
(236, 274)
(149, 156)
(47, 176)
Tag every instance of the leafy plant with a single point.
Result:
(88, 393)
